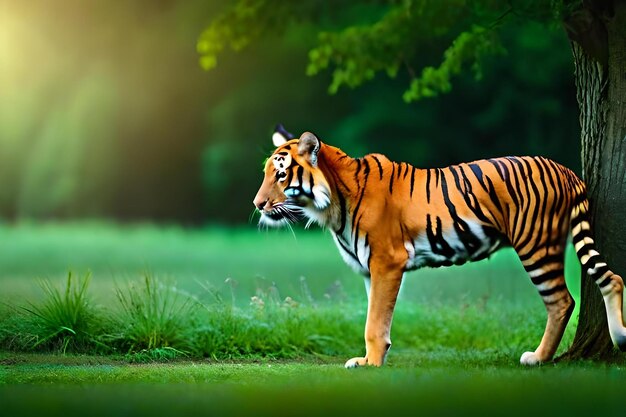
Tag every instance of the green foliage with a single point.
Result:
(486, 311)
(274, 327)
(359, 52)
(292, 329)
(109, 135)
(391, 51)
(65, 319)
(468, 48)
(394, 40)
(153, 316)
(251, 23)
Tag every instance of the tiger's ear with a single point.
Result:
(281, 135)
(309, 146)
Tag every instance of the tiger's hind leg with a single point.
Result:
(546, 273)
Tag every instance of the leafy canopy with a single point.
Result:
(356, 40)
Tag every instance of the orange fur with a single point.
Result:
(389, 217)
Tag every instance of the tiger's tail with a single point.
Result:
(611, 285)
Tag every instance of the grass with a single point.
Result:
(152, 316)
(166, 306)
(248, 258)
(215, 322)
(412, 385)
(153, 321)
(65, 318)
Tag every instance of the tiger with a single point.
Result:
(387, 218)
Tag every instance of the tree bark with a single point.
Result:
(601, 94)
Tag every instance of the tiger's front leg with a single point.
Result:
(385, 284)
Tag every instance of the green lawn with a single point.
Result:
(253, 259)
(197, 295)
(411, 385)
(458, 332)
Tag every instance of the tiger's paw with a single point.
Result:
(355, 363)
(530, 359)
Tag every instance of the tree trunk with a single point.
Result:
(601, 94)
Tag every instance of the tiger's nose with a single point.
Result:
(259, 203)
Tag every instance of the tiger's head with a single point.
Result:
(294, 186)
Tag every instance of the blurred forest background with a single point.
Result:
(106, 113)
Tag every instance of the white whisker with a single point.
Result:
(292, 232)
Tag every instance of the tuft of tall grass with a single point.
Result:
(272, 327)
(65, 319)
(153, 319)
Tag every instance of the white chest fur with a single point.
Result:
(355, 254)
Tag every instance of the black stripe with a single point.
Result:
(477, 204)
(366, 245)
(493, 195)
(342, 183)
(358, 204)
(546, 260)
(437, 243)
(393, 171)
(300, 173)
(499, 170)
(535, 225)
(543, 232)
(550, 291)
(344, 247)
(580, 198)
(580, 236)
(555, 273)
(356, 240)
(356, 210)
(342, 206)
(514, 196)
(584, 249)
(606, 281)
(427, 185)
(366, 171)
(468, 195)
(551, 189)
(469, 239)
(560, 191)
(496, 199)
(601, 270)
(406, 170)
(290, 172)
(579, 218)
(356, 173)
(412, 181)
(380, 167)
(593, 259)
(526, 257)
(520, 217)
(478, 173)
